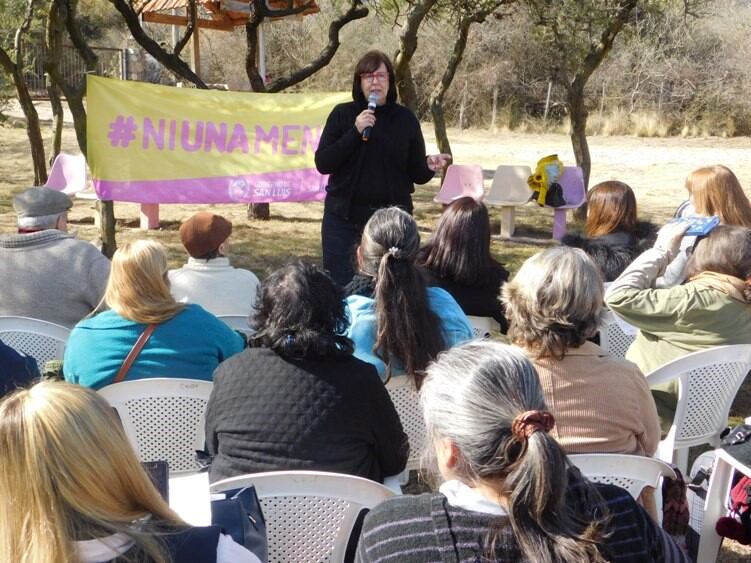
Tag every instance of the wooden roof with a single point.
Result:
(224, 14)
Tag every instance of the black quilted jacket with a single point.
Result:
(271, 413)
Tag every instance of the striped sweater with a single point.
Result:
(426, 529)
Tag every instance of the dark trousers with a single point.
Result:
(339, 239)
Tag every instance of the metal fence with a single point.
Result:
(110, 62)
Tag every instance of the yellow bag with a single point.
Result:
(547, 172)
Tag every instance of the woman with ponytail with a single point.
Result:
(509, 493)
(397, 323)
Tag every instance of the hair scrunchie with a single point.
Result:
(529, 422)
(395, 252)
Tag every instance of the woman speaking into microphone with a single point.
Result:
(374, 158)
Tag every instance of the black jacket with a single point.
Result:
(16, 370)
(271, 413)
(481, 300)
(613, 252)
(365, 176)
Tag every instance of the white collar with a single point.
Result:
(462, 495)
(103, 549)
(211, 264)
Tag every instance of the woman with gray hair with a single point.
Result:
(509, 494)
(602, 404)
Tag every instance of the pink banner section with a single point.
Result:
(294, 185)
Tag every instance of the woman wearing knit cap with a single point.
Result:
(509, 493)
(208, 279)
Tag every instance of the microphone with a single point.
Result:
(372, 102)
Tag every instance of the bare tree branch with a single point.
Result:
(170, 61)
(356, 11)
(189, 28)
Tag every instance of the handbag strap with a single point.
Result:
(133, 354)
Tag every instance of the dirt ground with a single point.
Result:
(654, 168)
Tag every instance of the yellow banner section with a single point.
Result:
(143, 132)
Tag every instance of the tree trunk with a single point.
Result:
(62, 15)
(261, 211)
(33, 130)
(405, 85)
(57, 117)
(436, 98)
(578, 120)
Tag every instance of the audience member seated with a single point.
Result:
(614, 237)
(457, 258)
(298, 399)
(713, 190)
(397, 324)
(16, 369)
(208, 279)
(186, 342)
(508, 492)
(601, 403)
(71, 488)
(710, 309)
(46, 273)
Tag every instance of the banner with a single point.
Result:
(160, 144)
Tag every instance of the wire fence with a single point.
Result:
(110, 62)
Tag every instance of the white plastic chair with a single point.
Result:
(68, 173)
(406, 401)
(39, 339)
(508, 190)
(462, 180)
(163, 418)
(630, 472)
(237, 322)
(708, 381)
(309, 514)
(613, 338)
(483, 327)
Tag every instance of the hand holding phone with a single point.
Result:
(698, 226)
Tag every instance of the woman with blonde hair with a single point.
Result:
(73, 491)
(713, 191)
(601, 403)
(178, 340)
(508, 494)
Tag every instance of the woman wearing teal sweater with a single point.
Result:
(402, 325)
(187, 341)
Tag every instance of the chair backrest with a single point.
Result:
(237, 322)
(39, 339)
(405, 398)
(708, 381)
(309, 514)
(462, 180)
(163, 418)
(613, 337)
(509, 186)
(68, 173)
(572, 183)
(630, 472)
(483, 327)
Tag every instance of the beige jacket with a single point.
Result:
(601, 403)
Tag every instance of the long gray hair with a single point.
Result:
(471, 396)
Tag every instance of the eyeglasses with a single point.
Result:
(372, 76)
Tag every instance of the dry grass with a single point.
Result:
(654, 167)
